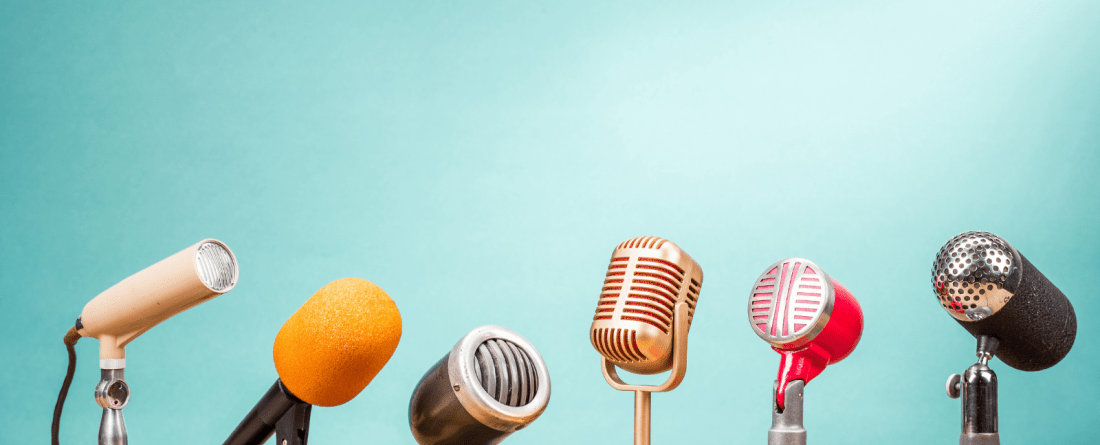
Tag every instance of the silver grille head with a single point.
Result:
(499, 377)
(506, 372)
(216, 266)
(791, 302)
(975, 275)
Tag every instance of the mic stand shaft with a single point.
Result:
(787, 426)
(641, 417)
(978, 388)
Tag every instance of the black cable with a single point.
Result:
(70, 342)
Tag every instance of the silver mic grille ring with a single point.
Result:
(216, 266)
(791, 302)
(499, 377)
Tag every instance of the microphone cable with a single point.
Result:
(70, 344)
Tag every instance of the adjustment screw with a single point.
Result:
(954, 386)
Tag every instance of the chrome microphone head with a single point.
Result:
(975, 275)
(491, 384)
(791, 303)
(633, 325)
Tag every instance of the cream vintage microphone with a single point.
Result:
(134, 305)
(643, 316)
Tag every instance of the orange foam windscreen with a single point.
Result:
(335, 344)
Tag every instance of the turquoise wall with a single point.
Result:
(480, 160)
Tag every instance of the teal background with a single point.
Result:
(480, 160)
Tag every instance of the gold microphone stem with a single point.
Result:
(641, 417)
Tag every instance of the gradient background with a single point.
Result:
(480, 160)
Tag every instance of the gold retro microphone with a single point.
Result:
(643, 316)
(134, 305)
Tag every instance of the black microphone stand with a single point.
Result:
(978, 388)
(278, 411)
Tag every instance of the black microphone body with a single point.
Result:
(1037, 329)
(258, 426)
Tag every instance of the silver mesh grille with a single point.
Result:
(973, 275)
(506, 372)
(216, 266)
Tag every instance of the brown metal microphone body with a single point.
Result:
(643, 316)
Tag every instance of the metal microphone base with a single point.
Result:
(787, 426)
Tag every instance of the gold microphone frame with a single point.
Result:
(642, 392)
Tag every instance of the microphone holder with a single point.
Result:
(787, 426)
(112, 393)
(642, 392)
(279, 412)
(293, 427)
(978, 388)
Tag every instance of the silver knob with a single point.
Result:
(954, 386)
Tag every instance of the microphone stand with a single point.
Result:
(787, 426)
(642, 393)
(978, 388)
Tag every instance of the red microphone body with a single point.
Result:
(812, 321)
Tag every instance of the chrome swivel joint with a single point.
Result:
(112, 393)
(978, 388)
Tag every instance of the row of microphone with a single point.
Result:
(652, 289)
(493, 382)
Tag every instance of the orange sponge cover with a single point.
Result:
(336, 343)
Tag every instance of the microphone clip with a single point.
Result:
(293, 427)
(978, 388)
(787, 428)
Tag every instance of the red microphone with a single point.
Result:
(812, 321)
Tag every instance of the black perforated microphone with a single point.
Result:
(992, 290)
(491, 384)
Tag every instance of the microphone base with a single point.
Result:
(979, 439)
(787, 426)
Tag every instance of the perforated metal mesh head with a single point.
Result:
(217, 267)
(506, 372)
(975, 275)
(791, 302)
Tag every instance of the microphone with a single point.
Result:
(134, 305)
(325, 354)
(491, 384)
(1013, 311)
(812, 321)
(643, 316)
(991, 289)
